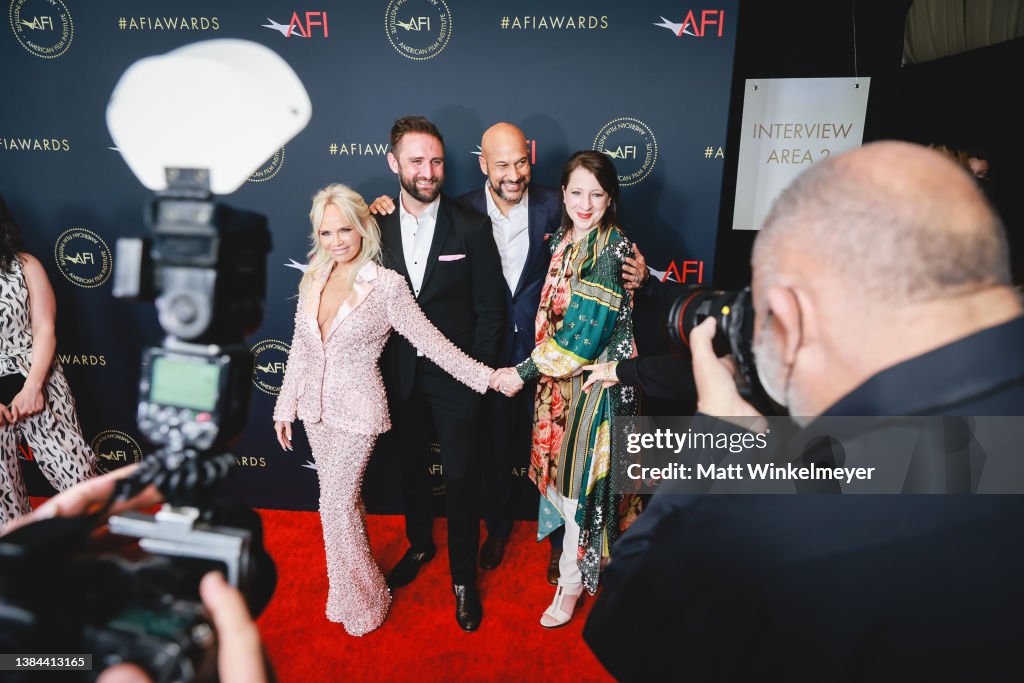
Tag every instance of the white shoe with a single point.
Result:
(560, 611)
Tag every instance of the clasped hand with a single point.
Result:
(506, 381)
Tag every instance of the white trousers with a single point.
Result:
(568, 570)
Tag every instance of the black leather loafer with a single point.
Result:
(493, 551)
(408, 567)
(468, 610)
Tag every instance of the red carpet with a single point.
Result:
(420, 640)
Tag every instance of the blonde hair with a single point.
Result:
(354, 208)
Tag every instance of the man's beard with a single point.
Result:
(498, 190)
(417, 193)
(776, 379)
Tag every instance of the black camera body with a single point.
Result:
(205, 268)
(193, 400)
(135, 604)
(734, 336)
(205, 265)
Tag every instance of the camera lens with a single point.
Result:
(734, 336)
(730, 309)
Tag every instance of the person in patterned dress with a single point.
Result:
(585, 316)
(42, 409)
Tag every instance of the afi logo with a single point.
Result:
(39, 23)
(709, 19)
(114, 455)
(435, 469)
(301, 26)
(622, 152)
(275, 368)
(415, 24)
(695, 268)
(81, 259)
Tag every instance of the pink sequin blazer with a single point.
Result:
(337, 380)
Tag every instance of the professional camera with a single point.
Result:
(190, 124)
(206, 269)
(734, 336)
(205, 266)
(129, 603)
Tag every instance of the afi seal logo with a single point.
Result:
(114, 449)
(43, 27)
(270, 169)
(631, 144)
(83, 257)
(418, 29)
(270, 358)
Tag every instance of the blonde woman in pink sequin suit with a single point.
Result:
(348, 305)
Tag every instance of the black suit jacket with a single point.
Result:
(544, 217)
(461, 295)
(832, 588)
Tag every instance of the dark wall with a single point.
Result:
(973, 100)
(965, 100)
(805, 39)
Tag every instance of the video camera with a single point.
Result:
(190, 124)
(734, 336)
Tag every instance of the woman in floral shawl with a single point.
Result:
(585, 317)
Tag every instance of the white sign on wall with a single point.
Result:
(788, 125)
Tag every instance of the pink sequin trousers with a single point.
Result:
(358, 596)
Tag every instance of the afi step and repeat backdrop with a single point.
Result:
(646, 83)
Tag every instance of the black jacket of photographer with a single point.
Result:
(828, 587)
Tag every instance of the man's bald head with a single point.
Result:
(500, 135)
(888, 222)
(505, 160)
(870, 258)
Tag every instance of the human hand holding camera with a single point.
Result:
(717, 394)
(240, 658)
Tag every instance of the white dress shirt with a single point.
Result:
(417, 234)
(511, 235)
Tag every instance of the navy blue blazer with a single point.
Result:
(545, 216)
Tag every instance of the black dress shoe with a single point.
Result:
(493, 551)
(553, 573)
(468, 610)
(408, 567)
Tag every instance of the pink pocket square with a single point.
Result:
(451, 257)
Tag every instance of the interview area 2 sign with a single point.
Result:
(788, 125)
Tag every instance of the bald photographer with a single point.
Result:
(881, 286)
